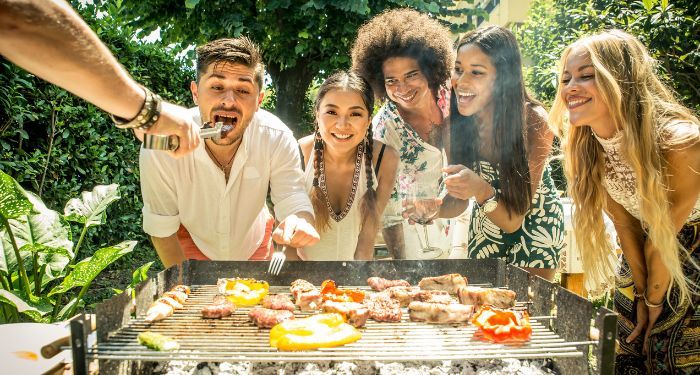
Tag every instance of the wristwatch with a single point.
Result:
(490, 204)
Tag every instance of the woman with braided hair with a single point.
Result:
(348, 174)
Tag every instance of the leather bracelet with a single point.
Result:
(649, 304)
(147, 116)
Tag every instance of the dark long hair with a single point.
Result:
(509, 100)
(343, 80)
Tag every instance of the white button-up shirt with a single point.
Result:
(226, 220)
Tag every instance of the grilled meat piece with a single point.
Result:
(221, 307)
(449, 283)
(383, 308)
(306, 295)
(406, 295)
(268, 318)
(474, 295)
(176, 295)
(434, 296)
(169, 301)
(278, 302)
(355, 313)
(158, 310)
(439, 313)
(181, 288)
(379, 284)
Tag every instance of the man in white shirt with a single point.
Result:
(217, 194)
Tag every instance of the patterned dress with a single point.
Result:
(674, 344)
(540, 239)
(418, 161)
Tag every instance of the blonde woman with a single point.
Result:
(634, 151)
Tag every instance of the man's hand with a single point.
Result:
(176, 120)
(295, 231)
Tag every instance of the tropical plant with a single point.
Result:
(40, 267)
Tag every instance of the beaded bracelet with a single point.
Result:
(649, 304)
(147, 116)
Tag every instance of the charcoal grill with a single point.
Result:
(561, 320)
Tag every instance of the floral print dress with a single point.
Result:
(418, 161)
(540, 239)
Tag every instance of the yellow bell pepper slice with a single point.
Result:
(244, 292)
(317, 331)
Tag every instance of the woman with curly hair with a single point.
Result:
(634, 152)
(407, 57)
(500, 146)
(348, 174)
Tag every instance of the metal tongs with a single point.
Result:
(172, 142)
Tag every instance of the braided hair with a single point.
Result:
(349, 81)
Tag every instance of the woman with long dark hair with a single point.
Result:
(348, 174)
(500, 143)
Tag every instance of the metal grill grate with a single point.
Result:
(235, 338)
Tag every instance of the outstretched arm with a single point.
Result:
(49, 39)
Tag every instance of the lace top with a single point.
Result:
(620, 180)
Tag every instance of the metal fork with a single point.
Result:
(277, 261)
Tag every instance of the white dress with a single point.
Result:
(621, 181)
(340, 240)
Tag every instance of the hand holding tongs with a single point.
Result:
(172, 142)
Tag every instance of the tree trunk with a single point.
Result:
(290, 88)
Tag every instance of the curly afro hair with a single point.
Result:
(403, 33)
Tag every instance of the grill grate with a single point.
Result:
(235, 338)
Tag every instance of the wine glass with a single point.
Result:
(422, 204)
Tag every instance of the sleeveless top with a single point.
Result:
(338, 242)
(621, 182)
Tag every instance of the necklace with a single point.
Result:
(353, 189)
(223, 167)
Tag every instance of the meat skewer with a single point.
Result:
(379, 283)
(439, 313)
(449, 283)
(164, 306)
(473, 295)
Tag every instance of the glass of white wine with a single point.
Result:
(422, 204)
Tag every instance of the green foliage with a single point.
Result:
(670, 29)
(39, 259)
(301, 40)
(58, 145)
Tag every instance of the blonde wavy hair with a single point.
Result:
(644, 109)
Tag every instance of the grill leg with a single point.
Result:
(78, 341)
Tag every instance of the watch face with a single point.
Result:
(490, 206)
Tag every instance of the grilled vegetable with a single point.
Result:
(502, 325)
(243, 292)
(330, 292)
(156, 341)
(317, 331)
